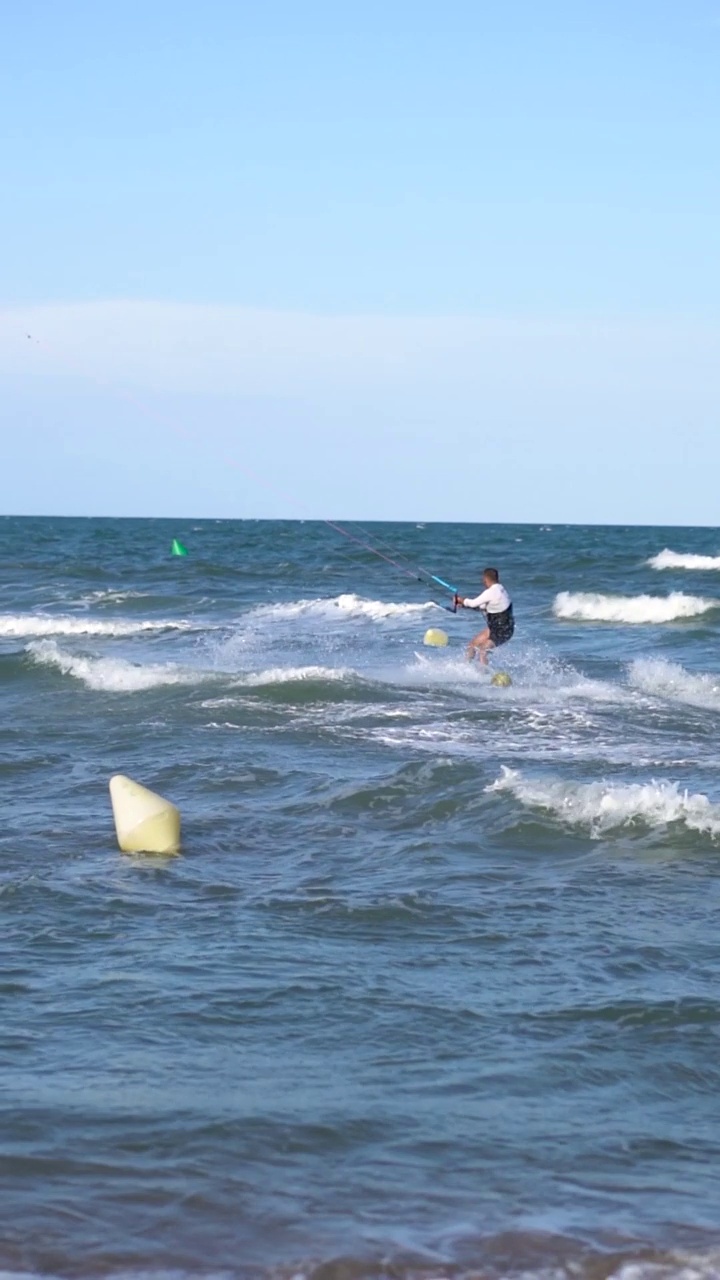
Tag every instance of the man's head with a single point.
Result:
(490, 576)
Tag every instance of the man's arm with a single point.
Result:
(476, 602)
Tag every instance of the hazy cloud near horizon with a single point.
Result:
(495, 417)
(195, 347)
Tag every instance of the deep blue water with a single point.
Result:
(434, 986)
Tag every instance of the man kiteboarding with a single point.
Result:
(497, 607)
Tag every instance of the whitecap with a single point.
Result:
(343, 606)
(117, 675)
(663, 679)
(668, 559)
(109, 675)
(289, 675)
(43, 624)
(603, 806)
(590, 606)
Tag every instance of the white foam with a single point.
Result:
(344, 606)
(287, 675)
(664, 679)
(668, 559)
(590, 606)
(109, 675)
(671, 1266)
(604, 806)
(44, 624)
(535, 677)
(116, 675)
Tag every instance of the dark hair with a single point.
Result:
(492, 574)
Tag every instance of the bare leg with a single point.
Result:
(479, 646)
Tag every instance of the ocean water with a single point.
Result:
(434, 987)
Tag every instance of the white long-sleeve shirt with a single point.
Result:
(494, 600)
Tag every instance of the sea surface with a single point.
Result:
(433, 988)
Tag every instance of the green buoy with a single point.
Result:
(177, 548)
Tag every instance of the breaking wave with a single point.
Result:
(516, 1255)
(604, 806)
(591, 606)
(664, 679)
(109, 675)
(117, 675)
(45, 624)
(668, 559)
(345, 606)
(290, 675)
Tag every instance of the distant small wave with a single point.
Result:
(45, 624)
(668, 559)
(114, 597)
(590, 606)
(348, 605)
(670, 680)
(109, 675)
(603, 806)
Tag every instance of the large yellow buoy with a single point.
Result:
(144, 821)
(502, 679)
(435, 637)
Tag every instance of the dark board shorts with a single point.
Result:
(501, 626)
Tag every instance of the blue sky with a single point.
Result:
(395, 260)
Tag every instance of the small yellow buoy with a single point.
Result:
(144, 821)
(435, 637)
(502, 679)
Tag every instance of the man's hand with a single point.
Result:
(460, 600)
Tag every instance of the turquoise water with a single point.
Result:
(434, 987)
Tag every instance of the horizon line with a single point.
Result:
(510, 524)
